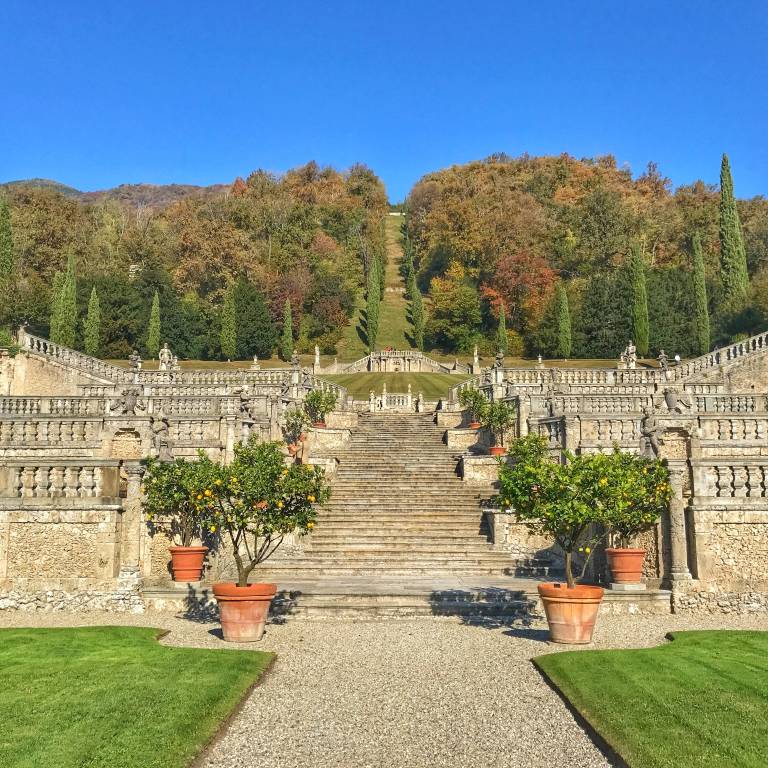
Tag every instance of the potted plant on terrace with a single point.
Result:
(559, 501)
(476, 404)
(254, 503)
(499, 418)
(637, 493)
(318, 404)
(296, 422)
(171, 501)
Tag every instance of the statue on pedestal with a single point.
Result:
(651, 431)
(161, 437)
(629, 356)
(255, 366)
(295, 362)
(165, 356)
(135, 360)
(129, 403)
(663, 360)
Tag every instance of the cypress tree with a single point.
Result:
(153, 334)
(286, 340)
(733, 254)
(64, 309)
(92, 329)
(700, 298)
(229, 325)
(7, 262)
(562, 322)
(256, 331)
(373, 300)
(640, 326)
(417, 317)
(502, 341)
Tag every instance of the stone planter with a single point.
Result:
(626, 565)
(497, 450)
(243, 610)
(187, 563)
(571, 612)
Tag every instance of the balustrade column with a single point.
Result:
(677, 529)
(130, 523)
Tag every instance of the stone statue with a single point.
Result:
(135, 360)
(498, 361)
(298, 450)
(651, 431)
(317, 355)
(306, 378)
(255, 366)
(676, 404)
(129, 403)
(161, 437)
(539, 362)
(663, 360)
(629, 356)
(295, 362)
(175, 363)
(165, 356)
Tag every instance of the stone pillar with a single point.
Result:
(523, 414)
(677, 530)
(384, 397)
(372, 401)
(572, 430)
(131, 523)
(275, 433)
(409, 399)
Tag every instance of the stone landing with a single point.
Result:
(370, 598)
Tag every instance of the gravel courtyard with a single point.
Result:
(402, 693)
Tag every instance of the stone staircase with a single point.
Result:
(399, 509)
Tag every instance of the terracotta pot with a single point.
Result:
(571, 612)
(187, 563)
(243, 610)
(497, 450)
(626, 565)
(475, 425)
(319, 424)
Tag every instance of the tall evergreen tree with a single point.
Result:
(502, 341)
(733, 254)
(562, 322)
(286, 340)
(64, 310)
(640, 325)
(373, 300)
(7, 261)
(703, 333)
(153, 334)
(92, 327)
(229, 325)
(417, 317)
(256, 331)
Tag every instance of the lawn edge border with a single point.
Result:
(608, 750)
(224, 725)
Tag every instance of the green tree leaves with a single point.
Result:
(286, 340)
(228, 336)
(640, 326)
(733, 255)
(153, 333)
(92, 325)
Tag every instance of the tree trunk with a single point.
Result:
(569, 569)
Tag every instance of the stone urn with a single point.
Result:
(243, 610)
(571, 611)
(497, 450)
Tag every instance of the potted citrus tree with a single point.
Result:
(637, 493)
(296, 422)
(172, 503)
(558, 500)
(252, 504)
(474, 401)
(318, 404)
(499, 418)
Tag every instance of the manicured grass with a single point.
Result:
(113, 697)
(700, 701)
(432, 385)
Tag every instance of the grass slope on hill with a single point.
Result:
(700, 701)
(394, 328)
(113, 697)
(432, 385)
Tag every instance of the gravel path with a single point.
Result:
(420, 693)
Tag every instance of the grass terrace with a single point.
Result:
(113, 697)
(433, 385)
(698, 702)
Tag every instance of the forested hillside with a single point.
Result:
(507, 232)
(219, 270)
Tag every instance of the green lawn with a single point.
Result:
(700, 701)
(433, 385)
(113, 697)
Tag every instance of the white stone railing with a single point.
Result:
(26, 478)
(71, 358)
(587, 404)
(730, 403)
(731, 479)
(50, 432)
(734, 428)
(725, 356)
(54, 406)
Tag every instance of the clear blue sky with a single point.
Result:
(99, 93)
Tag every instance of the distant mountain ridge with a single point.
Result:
(136, 195)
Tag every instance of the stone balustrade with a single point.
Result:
(25, 478)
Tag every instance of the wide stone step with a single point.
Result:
(461, 568)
